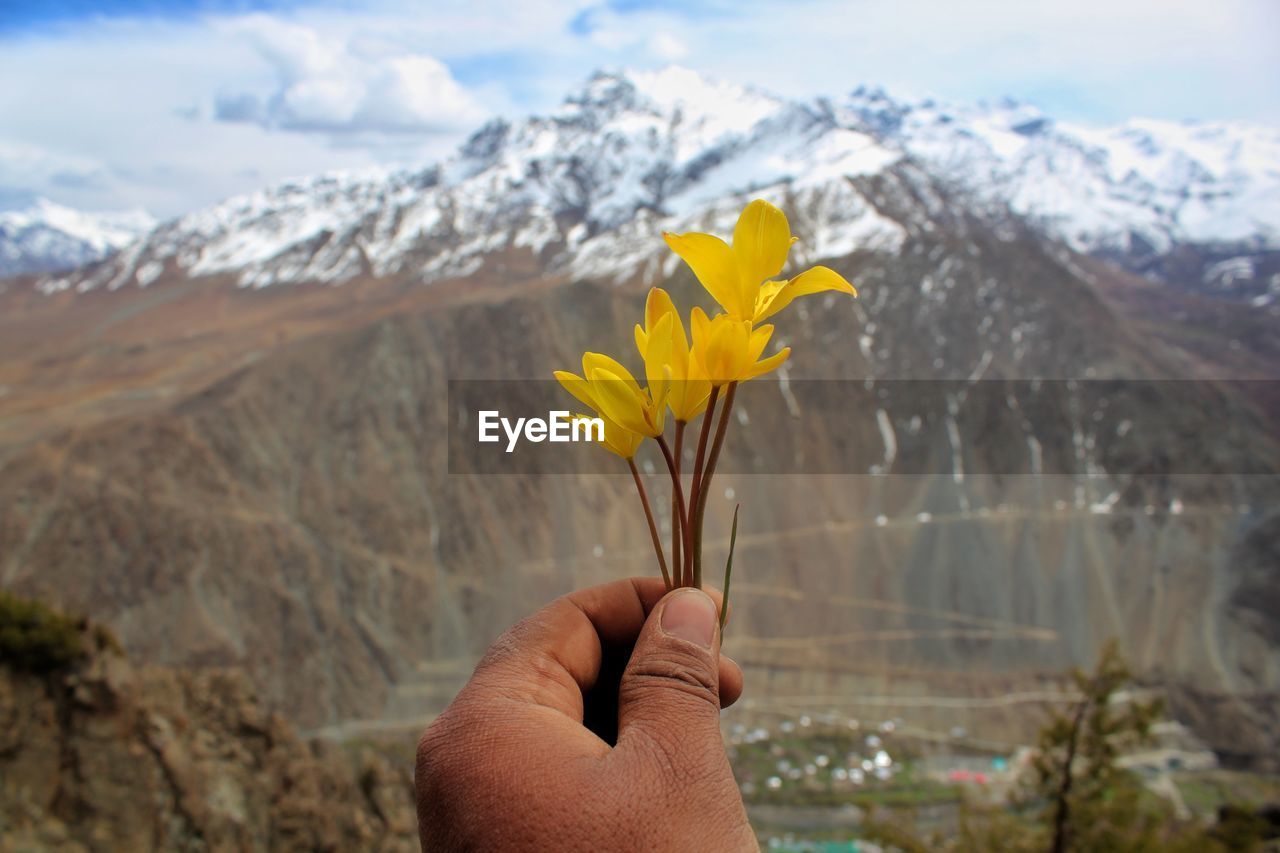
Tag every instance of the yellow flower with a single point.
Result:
(610, 389)
(738, 276)
(617, 440)
(728, 350)
(688, 395)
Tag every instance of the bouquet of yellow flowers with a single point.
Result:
(690, 375)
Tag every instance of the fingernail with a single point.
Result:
(690, 614)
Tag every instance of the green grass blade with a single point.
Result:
(728, 569)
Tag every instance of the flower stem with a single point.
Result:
(677, 523)
(677, 491)
(695, 488)
(700, 505)
(653, 528)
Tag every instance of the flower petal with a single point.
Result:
(700, 325)
(771, 363)
(618, 402)
(712, 261)
(657, 357)
(768, 291)
(593, 361)
(759, 339)
(761, 241)
(689, 398)
(656, 413)
(619, 441)
(814, 280)
(727, 348)
(659, 303)
(578, 387)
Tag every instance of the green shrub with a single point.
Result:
(36, 638)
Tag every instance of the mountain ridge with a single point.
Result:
(45, 237)
(632, 153)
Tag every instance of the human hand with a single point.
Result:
(593, 724)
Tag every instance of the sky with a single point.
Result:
(168, 105)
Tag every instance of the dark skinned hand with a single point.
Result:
(594, 724)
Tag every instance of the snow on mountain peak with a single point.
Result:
(669, 91)
(1145, 185)
(45, 236)
(629, 154)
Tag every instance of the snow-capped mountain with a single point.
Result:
(1195, 202)
(46, 237)
(1141, 186)
(262, 451)
(587, 186)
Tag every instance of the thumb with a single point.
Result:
(669, 695)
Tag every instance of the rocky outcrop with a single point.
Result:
(108, 756)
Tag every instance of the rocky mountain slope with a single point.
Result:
(234, 473)
(299, 517)
(628, 154)
(47, 237)
(102, 754)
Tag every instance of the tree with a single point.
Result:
(1088, 801)
(1076, 796)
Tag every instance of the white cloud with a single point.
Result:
(121, 113)
(1092, 60)
(667, 47)
(332, 85)
(28, 166)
